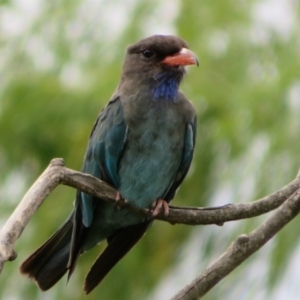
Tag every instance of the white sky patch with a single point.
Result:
(237, 183)
(161, 20)
(260, 72)
(288, 285)
(293, 101)
(273, 16)
(93, 21)
(105, 19)
(17, 18)
(14, 187)
(218, 43)
(37, 48)
(293, 96)
(72, 76)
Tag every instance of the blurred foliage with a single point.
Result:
(59, 67)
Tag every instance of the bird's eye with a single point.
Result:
(148, 53)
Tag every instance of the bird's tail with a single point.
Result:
(118, 245)
(50, 261)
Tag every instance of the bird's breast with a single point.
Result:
(151, 156)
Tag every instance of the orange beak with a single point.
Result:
(184, 57)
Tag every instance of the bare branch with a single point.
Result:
(240, 250)
(25, 210)
(57, 173)
(183, 215)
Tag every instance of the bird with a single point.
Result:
(142, 144)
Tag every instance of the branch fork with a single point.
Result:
(287, 200)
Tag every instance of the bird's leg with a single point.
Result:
(160, 205)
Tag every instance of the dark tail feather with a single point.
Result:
(117, 247)
(49, 262)
(78, 235)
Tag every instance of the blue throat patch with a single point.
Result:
(167, 86)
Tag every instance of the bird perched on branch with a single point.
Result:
(142, 144)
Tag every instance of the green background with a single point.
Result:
(60, 61)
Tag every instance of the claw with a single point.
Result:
(160, 205)
(120, 201)
(118, 196)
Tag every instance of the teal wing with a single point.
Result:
(104, 149)
(187, 156)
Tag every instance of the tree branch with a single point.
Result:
(240, 250)
(182, 215)
(57, 173)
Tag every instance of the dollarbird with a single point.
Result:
(142, 144)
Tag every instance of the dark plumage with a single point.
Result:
(142, 144)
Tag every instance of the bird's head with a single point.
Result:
(158, 63)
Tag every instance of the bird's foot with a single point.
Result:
(118, 196)
(160, 205)
(120, 201)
